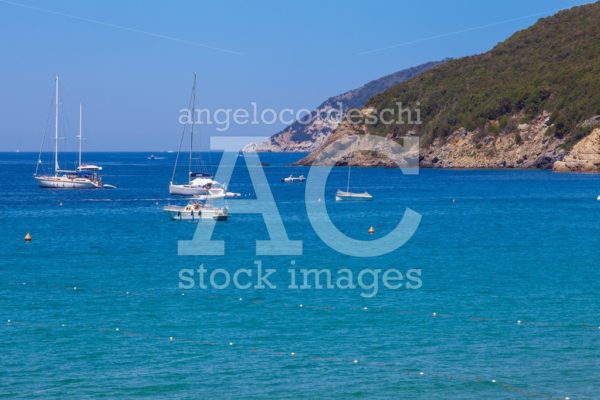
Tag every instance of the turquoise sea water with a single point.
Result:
(91, 307)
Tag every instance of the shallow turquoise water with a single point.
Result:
(94, 300)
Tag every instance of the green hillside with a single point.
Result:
(554, 65)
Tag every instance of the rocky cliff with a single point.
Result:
(584, 157)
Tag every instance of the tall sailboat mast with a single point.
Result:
(349, 167)
(56, 166)
(80, 132)
(192, 130)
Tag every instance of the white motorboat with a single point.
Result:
(84, 177)
(195, 211)
(216, 193)
(292, 179)
(340, 195)
(198, 183)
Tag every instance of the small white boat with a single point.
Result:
(340, 195)
(347, 195)
(216, 193)
(195, 211)
(292, 179)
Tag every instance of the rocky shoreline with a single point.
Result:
(528, 146)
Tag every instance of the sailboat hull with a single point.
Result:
(61, 182)
(350, 196)
(187, 190)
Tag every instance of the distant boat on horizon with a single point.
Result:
(85, 176)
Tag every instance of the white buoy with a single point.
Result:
(292, 354)
(493, 381)
(365, 308)
(117, 329)
(24, 283)
(355, 361)
(301, 305)
(171, 338)
(127, 293)
(183, 294)
(231, 343)
(519, 322)
(434, 314)
(74, 287)
(8, 321)
(240, 299)
(421, 373)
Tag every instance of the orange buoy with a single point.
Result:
(371, 230)
(28, 237)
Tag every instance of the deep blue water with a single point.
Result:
(95, 310)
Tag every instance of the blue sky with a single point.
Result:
(131, 62)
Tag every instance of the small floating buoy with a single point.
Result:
(60, 204)
(519, 322)
(598, 198)
(292, 354)
(453, 200)
(434, 314)
(371, 230)
(28, 237)
(171, 338)
(421, 373)
(231, 343)
(355, 361)
(493, 381)
(116, 329)
(301, 306)
(365, 308)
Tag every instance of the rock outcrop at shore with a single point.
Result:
(583, 157)
(529, 146)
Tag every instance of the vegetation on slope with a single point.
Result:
(554, 65)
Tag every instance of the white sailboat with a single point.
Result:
(198, 183)
(81, 178)
(347, 195)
